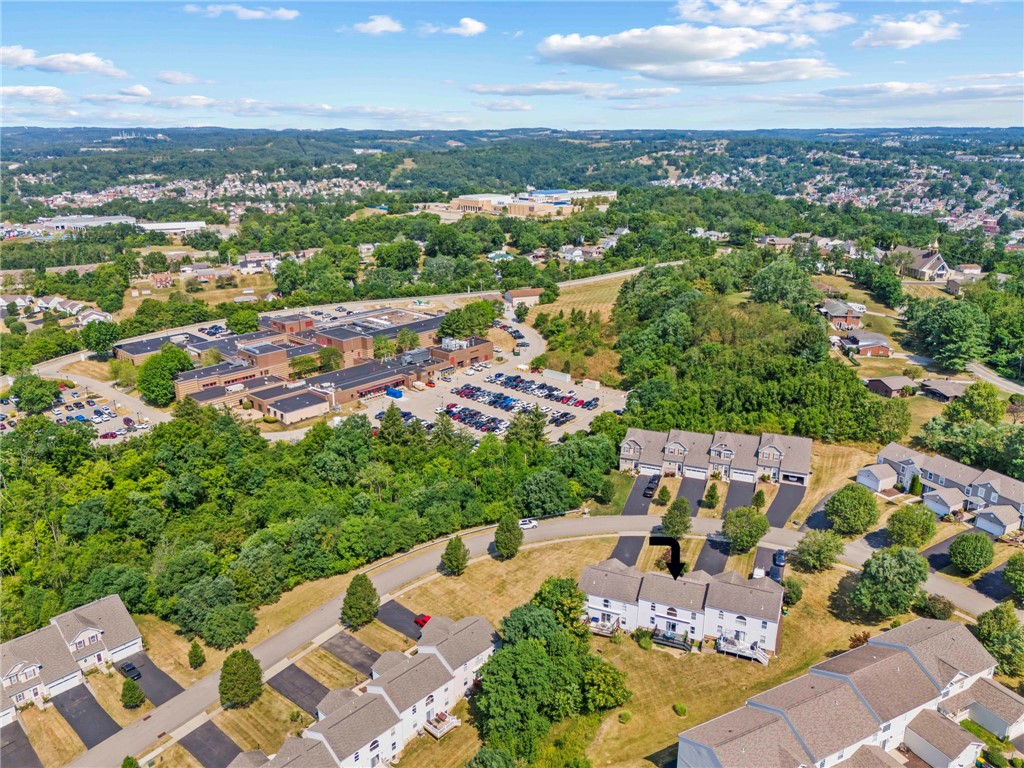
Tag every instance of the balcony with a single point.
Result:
(738, 648)
(441, 723)
(604, 628)
(672, 640)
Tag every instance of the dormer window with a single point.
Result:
(994, 497)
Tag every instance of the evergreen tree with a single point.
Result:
(361, 602)
(132, 696)
(241, 680)
(915, 486)
(196, 655)
(130, 762)
(664, 495)
(455, 557)
(711, 496)
(758, 501)
(508, 538)
(676, 521)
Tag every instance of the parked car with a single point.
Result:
(421, 620)
(527, 523)
(129, 670)
(779, 558)
(128, 421)
(108, 436)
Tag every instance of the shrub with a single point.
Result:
(895, 623)
(794, 590)
(240, 680)
(645, 643)
(711, 496)
(852, 510)
(995, 757)
(130, 762)
(970, 552)
(196, 656)
(617, 639)
(295, 715)
(664, 495)
(247, 406)
(679, 708)
(625, 717)
(132, 696)
(936, 606)
(270, 419)
(861, 638)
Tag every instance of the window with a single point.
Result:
(764, 625)
(430, 699)
(671, 612)
(741, 621)
(721, 614)
(763, 639)
(394, 746)
(653, 620)
(654, 606)
(414, 709)
(93, 639)
(693, 630)
(606, 603)
(994, 497)
(19, 697)
(693, 616)
(356, 757)
(719, 629)
(374, 745)
(886, 728)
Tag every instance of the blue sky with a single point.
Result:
(703, 64)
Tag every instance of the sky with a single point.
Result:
(689, 64)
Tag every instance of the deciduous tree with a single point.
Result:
(852, 510)
(890, 581)
(971, 552)
(744, 527)
(979, 401)
(676, 521)
(911, 525)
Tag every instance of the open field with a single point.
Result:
(51, 737)
(926, 292)
(590, 297)
(621, 484)
(922, 410)
(453, 751)
(176, 756)
(328, 669)
(381, 637)
(169, 650)
(491, 588)
(264, 724)
(91, 368)
(602, 366)
(688, 551)
(852, 293)
(261, 283)
(107, 690)
(832, 467)
(712, 684)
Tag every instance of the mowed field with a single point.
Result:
(926, 291)
(261, 283)
(591, 297)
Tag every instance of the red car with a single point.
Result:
(421, 620)
(108, 435)
(128, 422)
(431, 384)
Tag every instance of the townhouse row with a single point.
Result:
(949, 487)
(907, 689)
(741, 616)
(731, 456)
(51, 660)
(407, 696)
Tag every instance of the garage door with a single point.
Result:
(988, 526)
(798, 479)
(649, 469)
(700, 474)
(743, 475)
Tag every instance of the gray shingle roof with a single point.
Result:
(897, 383)
(945, 735)
(826, 713)
(696, 444)
(613, 580)
(386, 661)
(952, 497)
(651, 444)
(44, 647)
(836, 308)
(1004, 514)
(880, 471)
(335, 699)
(302, 753)
(356, 724)
(756, 598)
(887, 678)
(744, 448)
(796, 452)
(942, 648)
(946, 388)
(751, 737)
(107, 614)
(682, 593)
(996, 698)
(870, 756)
(407, 683)
(461, 641)
(254, 759)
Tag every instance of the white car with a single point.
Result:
(527, 523)
(57, 412)
(468, 372)
(545, 409)
(142, 426)
(439, 409)
(97, 420)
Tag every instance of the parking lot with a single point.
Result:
(111, 420)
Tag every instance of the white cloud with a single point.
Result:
(572, 88)
(173, 77)
(915, 29)
(34, 94)
(775, 14)
(17, 57)
(688, 54)
(899, 92)
(378, 25)
(139, 91)
(505, 105)
(467, 27)
(242, 13)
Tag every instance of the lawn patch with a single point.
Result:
(621, 484)
(107, 690)
(51, 737)
(264, 724)
(382, 638)
(328, 669)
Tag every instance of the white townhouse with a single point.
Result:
(405, 696)
(741, 616)
(949, 487)
(781, 458)
(908, 687)
(51, 660)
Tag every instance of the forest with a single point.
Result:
(202, 520)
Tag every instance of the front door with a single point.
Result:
(741, 636)
(430, 715)
(374, 760)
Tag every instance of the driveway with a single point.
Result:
(352, 652)
(156, 684)
(763, 558)
(938, 555)
(210, 746)
(636, 504)
(692, 489)
(785, 503)
(15, 749)
(740, 495)
(713, 557)
(85, 715)
(300, 687)
(399, 618)
(628, 549)
(993, 585)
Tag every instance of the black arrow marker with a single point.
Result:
(674, 566)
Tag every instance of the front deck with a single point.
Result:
(730, 645)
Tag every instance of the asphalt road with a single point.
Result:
(15, 749)
(300, 687)
(402, 571)
(627, 550)
(158, 686)
(987, 374)
(785, 503)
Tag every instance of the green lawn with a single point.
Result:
(622, 483)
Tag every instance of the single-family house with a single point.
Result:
(892, 386)
(906, 689)
(20, 300)
(866, 344)
(946, 501)
(841, 315)
(94, 316)
(877, 477)
(776, 242)
(998, 520)
(956, 281)
(943, 390)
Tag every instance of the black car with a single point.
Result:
(649, 491)
(129, 670)
(779, 558)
